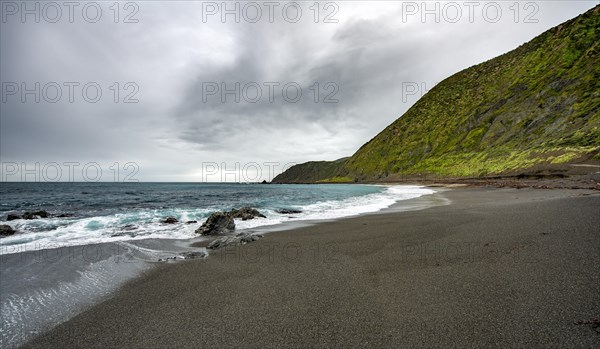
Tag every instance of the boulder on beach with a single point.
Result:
(193, 254)
(222, 222)
(35, 215)
(6, 230)
(169, 220)
(239, 239)
(247, 237)
(246, 213)
(216, 224)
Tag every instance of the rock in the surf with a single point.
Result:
(169, 220)
(288, 211)
(6, 230)
(12, 217)
(216, 224)
(35, 215)
(246, 213)
(65, 215)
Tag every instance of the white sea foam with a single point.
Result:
(145, 224)
(334, 209)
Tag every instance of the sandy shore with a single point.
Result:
(496, 268)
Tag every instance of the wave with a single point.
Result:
(335, 209)
(145, 224)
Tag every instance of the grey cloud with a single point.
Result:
(171, 52)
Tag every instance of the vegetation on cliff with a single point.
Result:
(538, 104)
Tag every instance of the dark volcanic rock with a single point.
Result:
(169, 220)
(190, 222)
(65, 215)
(222, 222)
(6, 230)
(12, 217)
(247, 237)
(193, 254)
(219, 243)
(286, 211)
(239, 239)
(34, 215)
(218, 223)
(245, 213)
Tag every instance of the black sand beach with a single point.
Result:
(496, 268)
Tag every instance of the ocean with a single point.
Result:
(88, 213)
(100, 235)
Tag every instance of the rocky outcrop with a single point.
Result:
(28, 215)
(239, 239)
(6, 230)
(245, 213)
(286, 211)
(35, 215)
(217, 223)
(220, 223)
(65, 215)
(193, 254)
(169, 220)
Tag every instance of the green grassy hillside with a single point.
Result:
(538, 104)
(314, 171)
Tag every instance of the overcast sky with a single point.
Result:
(360, 66)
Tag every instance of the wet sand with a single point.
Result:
(495, 268)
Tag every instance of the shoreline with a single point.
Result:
(33, 302)
(267, 227)
(349, 268)
(582, 180)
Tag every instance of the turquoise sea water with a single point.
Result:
(109, 212)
